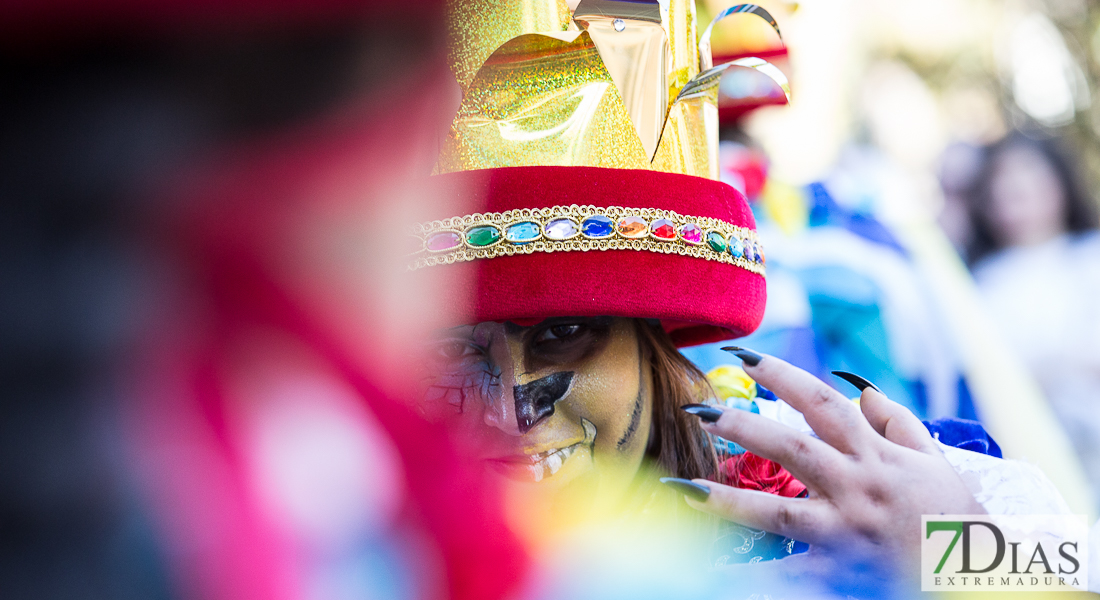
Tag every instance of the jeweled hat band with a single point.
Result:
(582, 229)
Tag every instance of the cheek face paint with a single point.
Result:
(612, 390)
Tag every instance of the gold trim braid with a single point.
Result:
(576, 228)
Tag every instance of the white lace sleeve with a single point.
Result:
(1006, 487)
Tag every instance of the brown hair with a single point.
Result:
(678, 445)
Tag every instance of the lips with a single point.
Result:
(539, 466)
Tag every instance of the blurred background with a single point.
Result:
(928, 201)
(923, 139)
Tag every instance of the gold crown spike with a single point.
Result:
(596, 98)
(630, 37)
(476, 28)
(690, 139)
(689, 144)
(704, 40)
(543, 100)
(680, 25)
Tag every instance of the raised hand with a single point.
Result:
(872, 471)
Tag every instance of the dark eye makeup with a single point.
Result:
(559, 332)
(565, 340)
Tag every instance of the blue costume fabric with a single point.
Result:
(965, 434)
(844, 295)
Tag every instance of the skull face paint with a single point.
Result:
(563, 401)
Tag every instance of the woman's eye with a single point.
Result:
(455, 349)
(559, 332)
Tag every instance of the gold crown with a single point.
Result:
(619, 83)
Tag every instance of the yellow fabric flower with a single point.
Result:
(729, 382)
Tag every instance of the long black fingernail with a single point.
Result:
(749, 357)
(860, 383)
(705, 412)
(695, 491)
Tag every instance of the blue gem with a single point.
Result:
(737, 248)
(524, 232)
(597, 227)
(750, 251)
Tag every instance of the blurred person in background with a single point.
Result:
(1035, 254)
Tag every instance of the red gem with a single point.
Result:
(663, 229)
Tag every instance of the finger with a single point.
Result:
(834, 418)
(805, 520)
(895, 422)
(810, 460)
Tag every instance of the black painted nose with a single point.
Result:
(535, 400)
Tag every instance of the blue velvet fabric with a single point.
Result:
(965, 434)
(739, 544)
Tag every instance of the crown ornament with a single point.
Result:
(626, 84)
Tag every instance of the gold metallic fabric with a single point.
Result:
(541, 100)
(477, 28)
(631, 40)
(680, 27)
(619, 84)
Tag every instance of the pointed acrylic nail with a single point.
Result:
(695, 491)
(860, 383)
(747, 356)
(705, 412)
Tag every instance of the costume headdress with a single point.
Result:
(585, 150)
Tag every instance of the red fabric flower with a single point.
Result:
(751, 472)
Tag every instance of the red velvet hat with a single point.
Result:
(581, 172)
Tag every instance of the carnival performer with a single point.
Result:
(593, 241)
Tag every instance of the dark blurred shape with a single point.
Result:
(50, 24)
(994, 228)
(103, 103)
(958, 168)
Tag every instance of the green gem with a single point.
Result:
(716, 241)
(483, 235)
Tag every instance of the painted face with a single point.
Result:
(555, 404)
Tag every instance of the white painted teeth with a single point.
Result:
(554, 462)
(546, 464)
